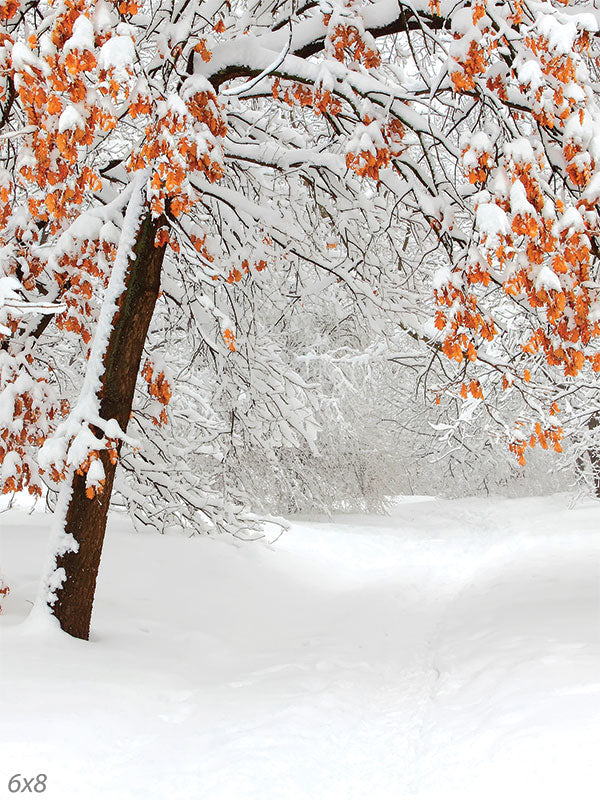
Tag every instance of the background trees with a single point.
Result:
(241, 174)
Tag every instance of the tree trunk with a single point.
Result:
(86, 518)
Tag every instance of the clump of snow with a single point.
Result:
(499, 184)
(103, 17)
(195, 84)
(520, 151)
(69, 119)
(22, 57)
(530, 72)
(95, 474)
(579, 128)
(547, 279)
(570, 220)
(560, 32)
(442, 278)
(173, 104)
(9, 285)
(11, 461)
(117, 54)
(82, 38)
(367, 138)
(592, 190)
(519, 204)
(492, 221)
(325, 80)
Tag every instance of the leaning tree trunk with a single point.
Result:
(85, 517)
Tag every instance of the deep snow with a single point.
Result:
(450, 650)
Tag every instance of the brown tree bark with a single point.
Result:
(86, 518)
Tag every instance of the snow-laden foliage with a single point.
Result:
(431, 167)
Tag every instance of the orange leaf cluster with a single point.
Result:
(128, 7)
(567, 253)
(159, 388)
(171, 147)
(199, 243)
(59, 170)
(579, 165)
(322, 102)
(474, 64)
(27, 430)
(229, 338)
(466, 321)
(204, 52)
(235, 275)
(8, 10)
(474, 388)
(367, 163)
(545, 436)
(204, 108)
(348, 44)
(479, 173)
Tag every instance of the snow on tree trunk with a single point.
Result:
(113, 369)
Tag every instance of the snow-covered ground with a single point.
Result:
(450, 650)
